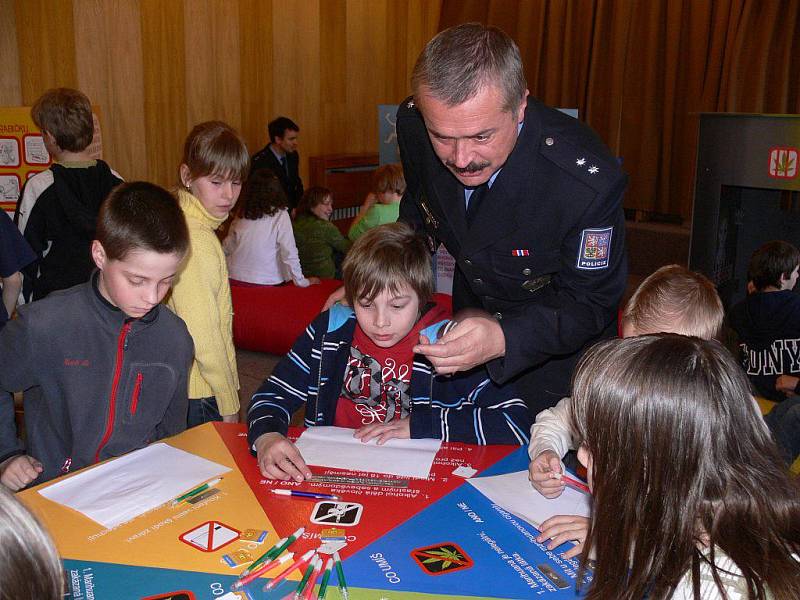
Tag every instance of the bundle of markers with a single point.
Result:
(312, 562)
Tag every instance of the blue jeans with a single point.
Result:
(202, 410)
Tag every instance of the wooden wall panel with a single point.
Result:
(213, 87)
(108, 47)
(10, 89)
(295, 71)
(255, 62)
(46, 42)
(164, 90)
(156, 68)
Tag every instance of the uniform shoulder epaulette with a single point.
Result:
(597, 170)
(407, 108)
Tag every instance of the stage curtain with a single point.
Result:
(641, 72)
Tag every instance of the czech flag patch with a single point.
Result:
(595, 249)
(520, 253)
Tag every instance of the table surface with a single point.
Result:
(393, 549)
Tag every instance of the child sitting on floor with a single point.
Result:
(319, 243)
(107, 362)
(382, 204)
(260, 246)
(369, 379)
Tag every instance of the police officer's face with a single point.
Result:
(472, 139)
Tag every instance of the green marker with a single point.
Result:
(195, 491)
(304, 581)
(323, 587)
(340, 576)
(275, 551)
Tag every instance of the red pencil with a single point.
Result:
(574, 483)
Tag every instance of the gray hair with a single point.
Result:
(460, 60)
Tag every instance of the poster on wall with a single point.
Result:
(23, 153)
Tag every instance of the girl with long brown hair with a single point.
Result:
(690, 499)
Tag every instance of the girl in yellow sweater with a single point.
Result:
(215, 163)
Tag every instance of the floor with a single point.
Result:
(254, 368)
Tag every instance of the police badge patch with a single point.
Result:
(595, 248)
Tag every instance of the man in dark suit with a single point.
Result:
(529, 203)
(280, 156)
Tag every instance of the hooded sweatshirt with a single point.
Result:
(768, 327)
(61, 224)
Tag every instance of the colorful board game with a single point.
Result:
(405, 538)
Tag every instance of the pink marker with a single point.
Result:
(297, 564)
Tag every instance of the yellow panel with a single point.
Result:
(109, 60)
(10, 89)
(45, 34)
(211, 31)
(164, 91)
(255, 50)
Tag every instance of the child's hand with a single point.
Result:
(18, 471)
(786, 384)
(278, 458)
(545, 474)
(563, 528)
(396, 428)
(313, 280)
(369, 201)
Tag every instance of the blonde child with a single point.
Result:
(672, 299)
(382, 204)
(215, 163)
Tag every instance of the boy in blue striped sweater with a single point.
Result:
(355, 367)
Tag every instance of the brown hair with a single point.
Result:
(215, 148)
(389, 178)
(262, 195)
(459, 61)
(770, 262)
(680, 456)
(387, 257)
(676, 300)
(66, 114)
(30, 568)
(312, 197)
(141, 216)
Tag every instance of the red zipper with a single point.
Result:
(136, 389)
(112, 403)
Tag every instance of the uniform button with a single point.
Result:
(468, 262)
(498, 316)
(477, 281)
(526, 271)
(549, 141)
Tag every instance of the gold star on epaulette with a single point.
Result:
(410, 104)
(593, 169)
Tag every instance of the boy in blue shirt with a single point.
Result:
(355, 367)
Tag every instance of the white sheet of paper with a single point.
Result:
(514, 493)
(128, 486)
(336, 447)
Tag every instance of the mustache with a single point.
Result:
(472, 167)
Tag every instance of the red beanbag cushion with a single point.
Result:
(270, 318)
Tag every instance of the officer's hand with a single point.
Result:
(396, 428)
(336, 296)
(474, 341)
(278, 458)
(18, 471)
(545, 474)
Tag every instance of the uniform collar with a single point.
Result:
(194, 209)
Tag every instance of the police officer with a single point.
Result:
(528, 202)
